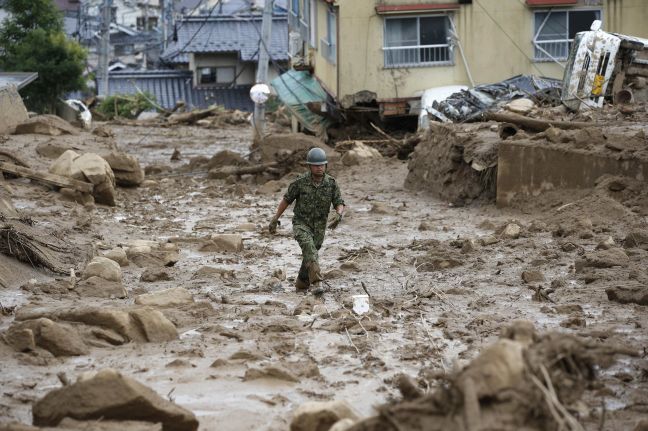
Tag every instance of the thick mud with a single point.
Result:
(443, 282)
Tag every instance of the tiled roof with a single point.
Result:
(228, 34)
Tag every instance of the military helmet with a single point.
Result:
(316, 156)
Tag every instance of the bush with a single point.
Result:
(126, 105)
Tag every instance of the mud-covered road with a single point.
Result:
(443, 282)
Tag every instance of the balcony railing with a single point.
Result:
(549, 50)
(328, 51)
(417, 56)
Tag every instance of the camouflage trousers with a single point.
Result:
(310, 242)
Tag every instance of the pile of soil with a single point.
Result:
(456, 165)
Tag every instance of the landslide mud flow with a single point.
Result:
(234, 344)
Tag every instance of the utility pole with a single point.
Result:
(262, 67)
(104, 47)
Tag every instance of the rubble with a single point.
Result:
(110, 395)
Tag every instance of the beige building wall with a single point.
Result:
(496, 36)
(246, 73)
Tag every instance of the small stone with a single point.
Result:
(21, 339)
(270, 372)
(224, 243)
(530, 277)
(380, 208)
(520, 106)
(151, 275)
(606, 244)
(511, 231)
(425, 226)
(628, 294)
(603, 259)
(488, 240)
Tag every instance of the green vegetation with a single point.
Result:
(126, 106)
(33, 40)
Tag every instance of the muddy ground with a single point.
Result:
(443, 281)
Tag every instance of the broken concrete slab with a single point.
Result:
(166, 298)
(112, 396)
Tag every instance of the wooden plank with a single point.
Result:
(47, 178)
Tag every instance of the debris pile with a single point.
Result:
(523, 381)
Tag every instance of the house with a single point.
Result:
(222, 50)
(385, 53)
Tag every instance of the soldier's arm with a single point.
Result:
(338, 202)
(282, 207)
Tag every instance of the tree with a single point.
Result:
(33, 40)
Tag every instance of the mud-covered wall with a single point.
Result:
(528, 169)
(12, 109)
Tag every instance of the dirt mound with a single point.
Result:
(458, 166)
(290, 146)
(522, 381)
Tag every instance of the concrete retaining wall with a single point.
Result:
(12, 109)
(526, 169)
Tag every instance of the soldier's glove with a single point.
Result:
(272, 227)
(337, 219)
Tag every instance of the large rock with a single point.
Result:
(138, 324)
(628, 294)
(103, 267)
(12, 108)
(118, 255)
(57, 338)
(511, 231)
(226, 242)
(360, 153)
(166, 298)
(127, 170)
(636, 239)
(88, 167)
(46, 125)
(320, 416)
(520, 106)
(100, 288)
(110, 396)
(603, 259)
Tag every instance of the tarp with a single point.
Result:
(297, 88)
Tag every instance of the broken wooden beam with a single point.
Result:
(533, 124)
(193, 116)
(47, 178)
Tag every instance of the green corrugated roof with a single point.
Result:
(296, 88)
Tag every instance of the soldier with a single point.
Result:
(315, 192)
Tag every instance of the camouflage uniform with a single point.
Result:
(310, 214)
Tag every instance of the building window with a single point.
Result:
(328, 45)
(554, 32)
(216, 75)
(417, 41)
(304, 21)
(293, 16)
(147, 23)
(127, 49)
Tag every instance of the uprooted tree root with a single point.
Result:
(521, 382)
(25, 243)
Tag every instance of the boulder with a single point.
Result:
(46, 125)
(320, 416)
(77, 196)
(88, 167)
(118, 255)
(627, 294)
(166, 298)
(100, 288)
(103, 267)
(111, 396)
(360, 153)
(151, 275)
(57, 338)
(603, 259)
(154, 325)
(103, 131)
(51, 150)
(94, 168)
(127, 170)
(227, 242)
(636, 239)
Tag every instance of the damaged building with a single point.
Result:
(380, 57)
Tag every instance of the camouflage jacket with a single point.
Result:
(313, 201)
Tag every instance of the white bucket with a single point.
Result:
(360, 304)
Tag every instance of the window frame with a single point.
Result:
(328, 44)
(312, 35)
(449, 46)
(199, 83)
(547, 57)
